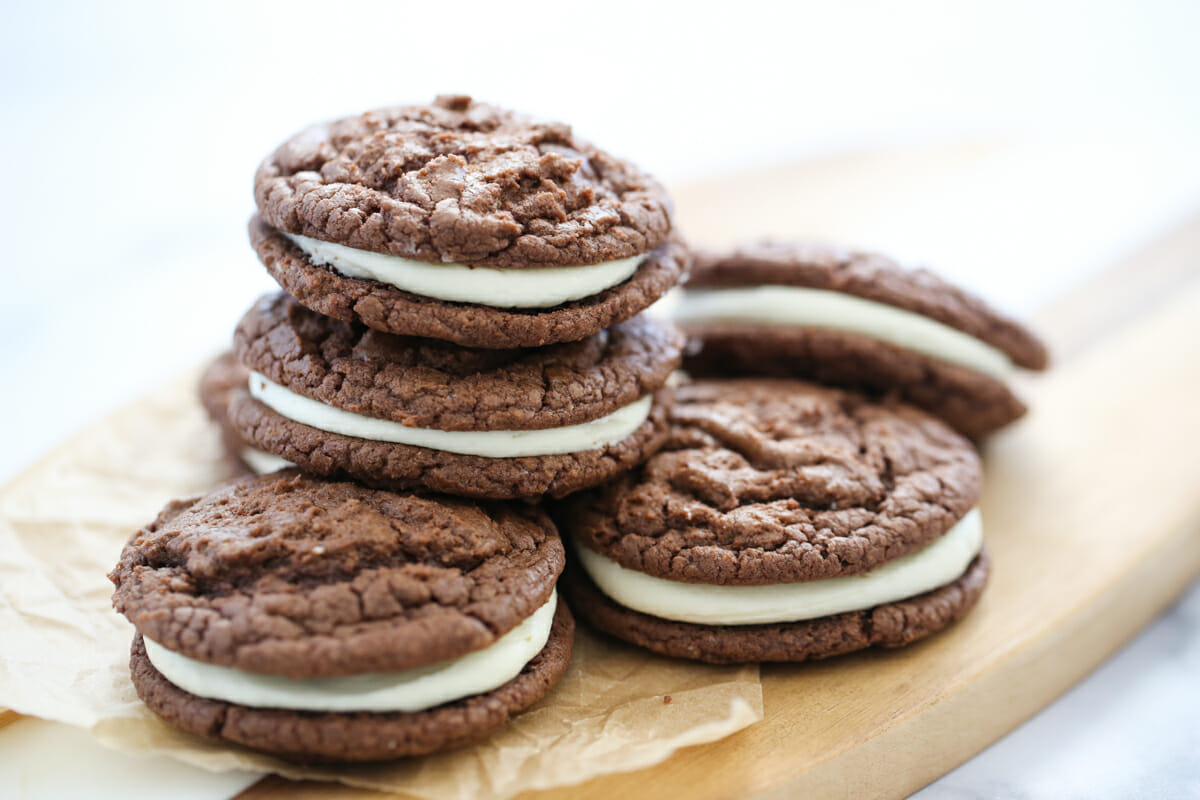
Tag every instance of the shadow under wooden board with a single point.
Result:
(1091, 512)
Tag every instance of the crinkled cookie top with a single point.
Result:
(461, 181)
(774, 481)
(292, 575)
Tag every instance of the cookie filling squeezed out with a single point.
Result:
(534, 287)
(409, 690)
(591, 435)
(941, 562)
(800, 307)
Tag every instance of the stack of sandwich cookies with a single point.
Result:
(463, 222)
(856, 320)
(341, 399)
(782, 522)
(460, 316)
(320, 620)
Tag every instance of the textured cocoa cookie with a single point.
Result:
(220, 377)
(315, 737)
(290, 575)
(224, 375)
(767, 482)
(389, 309)
(433, 385)
(466, 183)
(732, 341)
(890, 625)
(406, 467)
(772, 481)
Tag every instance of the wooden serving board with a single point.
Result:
(1091, 513)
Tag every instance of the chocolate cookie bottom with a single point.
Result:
(890, 625)
(324, 736)
(973, 403)
(386, 465)
(386, 308)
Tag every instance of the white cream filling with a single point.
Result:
(537, 287)
(937, 564)
(590, 435)
(408, 690)
(794, 306)
(262, 462)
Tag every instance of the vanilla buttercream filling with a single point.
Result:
(591, 435)
(261, 462)
(534, 287)
(794, 306)
(407, 690)
(941, 562)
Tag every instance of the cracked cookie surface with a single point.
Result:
(292, 575)
(426, 383)
(461, 181)
(765, 481)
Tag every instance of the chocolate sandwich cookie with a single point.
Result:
(856, 320)
(464, 222)
(320, 620)
(220, 377)
(339, 398)
(781, 521)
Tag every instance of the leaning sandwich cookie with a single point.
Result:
(857, 320)
(781, 521)
(320, 620)
(463, 222)
(222, 375)
(339, 398)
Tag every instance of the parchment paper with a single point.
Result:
(64, 653)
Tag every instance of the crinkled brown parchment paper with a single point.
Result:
(64, 652)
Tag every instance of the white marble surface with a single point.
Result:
(132, 129)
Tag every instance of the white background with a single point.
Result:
(131, 131)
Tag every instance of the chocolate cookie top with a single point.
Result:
(296, 576)
(426, 383)
(872, 277)
(774, 481)
(465, 182)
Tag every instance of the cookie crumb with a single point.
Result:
(453, 102)
(666, 699)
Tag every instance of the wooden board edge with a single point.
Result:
(907, 757)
